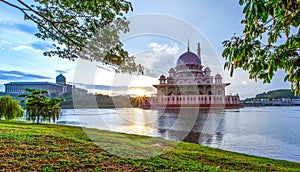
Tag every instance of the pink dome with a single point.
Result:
(188, 58)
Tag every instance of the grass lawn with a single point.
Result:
(25, 146)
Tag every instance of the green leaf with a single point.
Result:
(262, 54)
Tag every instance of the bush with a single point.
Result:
(10, 108)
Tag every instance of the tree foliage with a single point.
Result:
(270, 41)
(74, 24)
(10, 108)
(41, 108)
(276, 94)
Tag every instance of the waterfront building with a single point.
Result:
(191, 84)
(60, 87)
(272, 102)
(295, 101)
(265, 101)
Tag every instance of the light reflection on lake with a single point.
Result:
(264, 131)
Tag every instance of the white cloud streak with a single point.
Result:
(22, 47)
(165, 48)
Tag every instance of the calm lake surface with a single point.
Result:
(263, 131)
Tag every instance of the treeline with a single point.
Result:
(276, 94)
(98, 101)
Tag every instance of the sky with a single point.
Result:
(159, 34)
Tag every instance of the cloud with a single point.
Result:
(19, 76)
(153, 72)
(245, 83)
(63, 71)
(91, 86)
(165, 48)
(98, 87)
(2, 42)
(155, 63)
(21, 47)
(41, 46)
(105, 87)
(36, 46)
(112, 88)
(25, 28)
(147, 89)
(159, 59)
(165, 62)
(19, 27)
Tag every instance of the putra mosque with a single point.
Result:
(190, 84)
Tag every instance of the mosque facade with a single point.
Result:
(190, 84)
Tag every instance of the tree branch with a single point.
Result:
(32, 10)
(58, 30)
(13, 5)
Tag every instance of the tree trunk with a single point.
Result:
(38, 120)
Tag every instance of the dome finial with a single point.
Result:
(188, 45)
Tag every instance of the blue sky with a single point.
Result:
(211, 22)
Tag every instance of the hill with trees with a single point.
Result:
(103, 101)
(280, 97)
(275, 94)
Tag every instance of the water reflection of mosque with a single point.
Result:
(192, 125)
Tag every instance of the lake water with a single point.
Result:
(263, 131)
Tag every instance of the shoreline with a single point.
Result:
(189, 141)
(116, 151)
(265, 150)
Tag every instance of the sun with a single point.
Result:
(139, 92)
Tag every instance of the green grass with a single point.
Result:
(26, 147)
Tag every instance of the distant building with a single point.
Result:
(295, 101)
(282, 102)
(256, 102)
(265, 101)
(272, 102)
(286, 101)
(60, 87)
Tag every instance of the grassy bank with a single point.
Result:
(25, 146)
